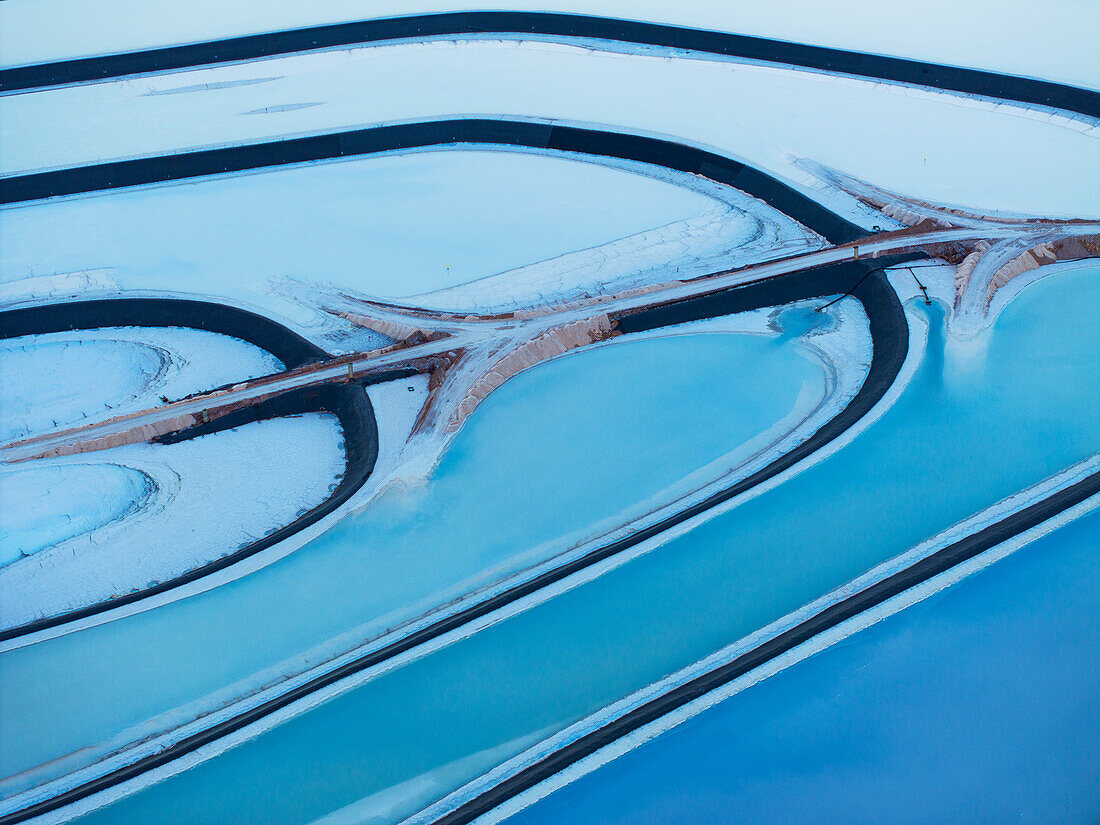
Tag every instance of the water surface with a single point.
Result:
(977, 705)
(387, 226)
(966, 433)
(559, 454)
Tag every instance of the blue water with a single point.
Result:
(978, 705)
(389, 226)
(44, 505)
(966, 432)
(50, 384)
(520, 483)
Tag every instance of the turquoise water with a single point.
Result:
(966, 432)
(548, 457)
(977, 705)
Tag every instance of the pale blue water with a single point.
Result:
(31, 36)
(960, 438)
(387, 225)
(977, 705)
(50, 384)
(522, 481)
(44, 505)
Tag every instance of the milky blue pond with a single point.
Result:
(977, 705)
(965, 433)
(57, 502)
(556, 455)
(389, 225)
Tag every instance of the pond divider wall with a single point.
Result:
(939, 562)
(285, 344)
